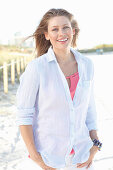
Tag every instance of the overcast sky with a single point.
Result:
(94, 18)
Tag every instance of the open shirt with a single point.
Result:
(59, 123)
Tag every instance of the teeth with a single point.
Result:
(63, 40)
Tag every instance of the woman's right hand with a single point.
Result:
(27, 134)
(49, 168)
(38, 159)
(45, 167)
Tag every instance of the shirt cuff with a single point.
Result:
(25, 116)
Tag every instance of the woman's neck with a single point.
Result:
(64, 56)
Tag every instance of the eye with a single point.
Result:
(55, 29)
(66, 27)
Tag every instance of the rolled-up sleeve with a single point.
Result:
(26, 94)
(91, 119)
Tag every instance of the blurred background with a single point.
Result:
(19, 19)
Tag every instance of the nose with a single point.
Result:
(61, 32)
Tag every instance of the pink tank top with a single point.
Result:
(73, 80)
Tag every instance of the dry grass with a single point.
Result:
(6, 57)
(8, 53)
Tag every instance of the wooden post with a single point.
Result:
(22, 64)
(12, 72)
(25, 62)
(5, 77)
(18, 67)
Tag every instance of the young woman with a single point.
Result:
(55, 101)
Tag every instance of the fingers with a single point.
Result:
(89, 165)
(49, 168)
(81, 165)
(85, 164)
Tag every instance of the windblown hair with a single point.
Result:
(42, 45)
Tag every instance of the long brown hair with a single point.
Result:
(42, 45)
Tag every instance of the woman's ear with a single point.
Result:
(46, 36)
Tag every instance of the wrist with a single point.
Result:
(95, 148)
(97, 144)
(34, 155)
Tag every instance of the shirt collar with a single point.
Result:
(51, 56)
(78, 56)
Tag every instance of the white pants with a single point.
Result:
(29, 164)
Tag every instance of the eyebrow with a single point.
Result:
(62, 25)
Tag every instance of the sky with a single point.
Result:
(94, 18)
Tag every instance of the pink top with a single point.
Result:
(74, 80)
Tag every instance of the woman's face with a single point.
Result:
(60, 32)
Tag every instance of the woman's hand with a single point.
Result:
(48, 168)
(44, 166)
(38, 159)
(88, 163)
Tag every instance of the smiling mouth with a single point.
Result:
(63, 40)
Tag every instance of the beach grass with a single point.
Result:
(7, 53)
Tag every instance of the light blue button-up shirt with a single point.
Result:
(59, 123)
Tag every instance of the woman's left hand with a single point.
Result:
(88, 163)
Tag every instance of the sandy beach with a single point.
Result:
(12, 148)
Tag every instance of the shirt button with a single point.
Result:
(72, 109)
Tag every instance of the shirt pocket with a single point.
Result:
(86, 89)
(83, 93)
(86, 83)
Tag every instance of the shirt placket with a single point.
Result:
(71, 105)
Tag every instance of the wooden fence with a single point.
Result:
(13, 70)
